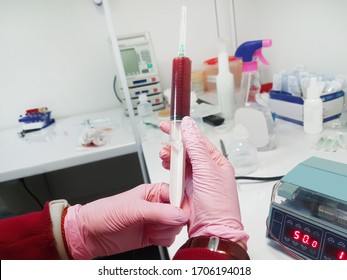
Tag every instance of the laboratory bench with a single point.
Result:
(57, 146)
(293, 146)
(53, 164)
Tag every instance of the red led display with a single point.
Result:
(304, 238)
(341, 255)
(336, 253)
(308, 240)
(320, 244)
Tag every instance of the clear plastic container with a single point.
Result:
(211, 72)
(144, 106)
(242, 152)
(270, 124)
(146, 119)
(197, 80)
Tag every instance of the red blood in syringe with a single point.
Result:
(180, 88)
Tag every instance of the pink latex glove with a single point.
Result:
(210, 186)
(119, 223)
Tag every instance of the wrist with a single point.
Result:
(75, 233)
(63, 215)
(56, 208)
(234, 234)
(232, 250)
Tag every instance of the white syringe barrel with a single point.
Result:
(177, 164)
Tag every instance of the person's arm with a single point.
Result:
(130, 220)
(31, 236)
(215, 229)
(134, 219)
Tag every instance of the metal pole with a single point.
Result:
(123, 81)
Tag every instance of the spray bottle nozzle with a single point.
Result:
(251, 50)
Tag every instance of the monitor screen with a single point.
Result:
(130, 62)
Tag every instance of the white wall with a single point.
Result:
(53, 53)
(57, 53)
(309, 32)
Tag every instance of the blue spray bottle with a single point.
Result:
(256, 117)
(249, 52)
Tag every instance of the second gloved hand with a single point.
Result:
(210, 187)
(134, 219)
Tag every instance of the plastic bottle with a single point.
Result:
(144, 106)
(248, 100)
(313, 109)
(225, 85)
(242, 152)
(211, 71)
(254, 88)
(146, 117)
(197, 80)
(249, 52)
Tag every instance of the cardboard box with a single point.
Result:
(290, 108)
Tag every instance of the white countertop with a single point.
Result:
(57, 146)
(293, 147)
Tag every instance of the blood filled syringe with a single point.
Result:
(179, 107)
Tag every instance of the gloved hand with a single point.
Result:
(130, 220)
(210, 186)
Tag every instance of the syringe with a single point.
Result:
(179, 107)
(325, 208)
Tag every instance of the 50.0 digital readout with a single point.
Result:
(303, 238)
(309, 241)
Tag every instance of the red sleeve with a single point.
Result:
(198, 254)
(28, 237)
(210, 248)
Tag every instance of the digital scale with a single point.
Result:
(308, 210)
